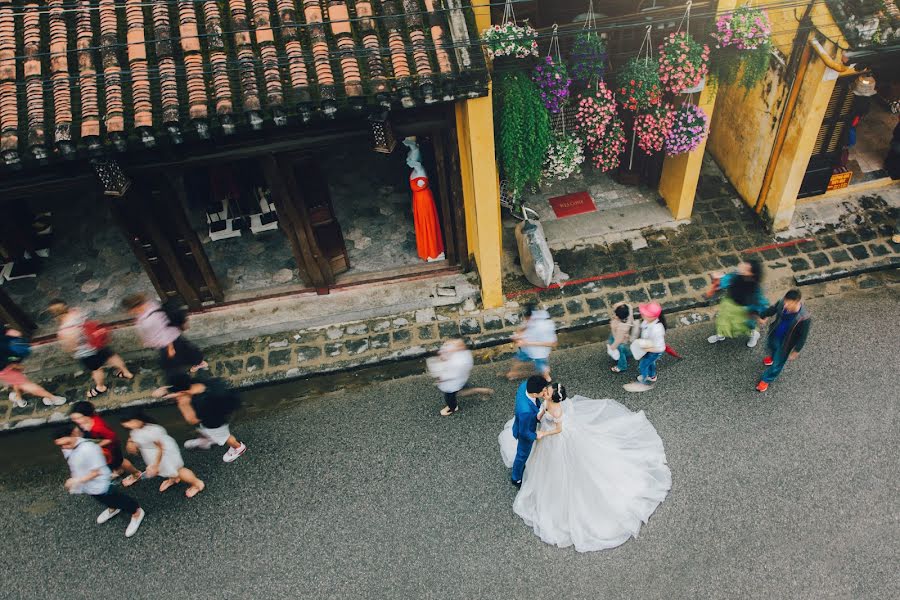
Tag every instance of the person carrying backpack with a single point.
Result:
(162, 328)
(14, 348)
(208, 404)
(88, 343)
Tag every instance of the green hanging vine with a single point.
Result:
(524, 131)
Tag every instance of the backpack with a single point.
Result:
(96, 334)
(18, 348)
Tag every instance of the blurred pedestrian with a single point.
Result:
(208, 405)
(787, 335)
(649, 346)
(742, 303)
(160, 453)
(157, 330)
(90, 475)
(534, 342)
(451, 369)
(14, 348)
(621, 329)
(94, 427)
(88, 343)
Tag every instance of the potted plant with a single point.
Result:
(552, 78)
(606, 154)
(564, 157)
(509, 40)
(651, 128)
(743, 46)
(588, 57)
(637, 85)
(683, 63)
(523, 131)
(687, 130)
(596, 108)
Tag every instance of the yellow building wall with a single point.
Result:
(745, 123)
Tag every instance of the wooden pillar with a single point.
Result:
(294, 223)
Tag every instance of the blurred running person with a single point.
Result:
(160, 453)
(92, 426)
(208, 405)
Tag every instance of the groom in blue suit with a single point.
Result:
(528, 404)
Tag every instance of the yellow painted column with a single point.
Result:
(481, 184)
(678, 182)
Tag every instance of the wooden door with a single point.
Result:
(150, 219)
(831, 139)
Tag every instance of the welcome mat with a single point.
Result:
(572, 204)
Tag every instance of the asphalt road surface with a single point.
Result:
(367, 493)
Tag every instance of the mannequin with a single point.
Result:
(429, 242)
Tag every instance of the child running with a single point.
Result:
(160, 453)
(92, 425)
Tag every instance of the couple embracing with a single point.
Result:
(589, 471)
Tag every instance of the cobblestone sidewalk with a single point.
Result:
(853, 251)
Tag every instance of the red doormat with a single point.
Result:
(572, 204)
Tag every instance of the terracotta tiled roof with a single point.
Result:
(84, 75)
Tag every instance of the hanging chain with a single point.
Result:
(590, 23)
(648, 44)
(685, 19)
(509, 15)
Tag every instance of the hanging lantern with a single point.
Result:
(383, 133)
(112, 178)
(864, 85)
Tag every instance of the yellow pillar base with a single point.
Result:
(678, 182)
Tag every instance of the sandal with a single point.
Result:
(446, 412)
(94, 392)
(132, 479)
(165, 485)
(122, 375)
(194, 490)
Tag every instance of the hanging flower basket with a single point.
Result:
(588, 57)
(687, 131)
(523, 131)
(743, 40)
(553, 80)
(637, 86)
(596, 108)
(510, 40)
(606, 155)
(683, 63)
(651, 128)
(564, 157)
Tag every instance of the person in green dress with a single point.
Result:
(742, 302)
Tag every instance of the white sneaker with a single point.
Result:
(17, 400)
(134, 524)
(106, 516)
(234, 453)
(200, 443)
(715, 338)
(54, 401)
(754, 339)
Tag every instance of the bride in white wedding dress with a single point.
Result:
(596, 474)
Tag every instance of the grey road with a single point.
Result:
(367, 493)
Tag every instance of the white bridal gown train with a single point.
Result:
(596, 482)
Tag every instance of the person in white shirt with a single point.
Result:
(160, 453)
(649, 347)
(451, 369)
(534, 340)
(90, 475)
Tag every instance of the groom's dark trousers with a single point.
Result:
(524, 430)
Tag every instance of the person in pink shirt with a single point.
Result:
(155, 329)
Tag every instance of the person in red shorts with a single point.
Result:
(85, 416)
